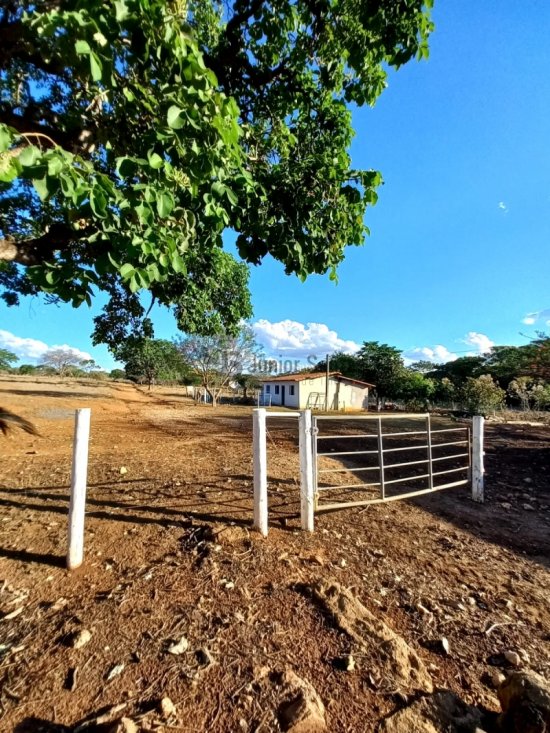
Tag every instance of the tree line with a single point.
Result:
(516, 376)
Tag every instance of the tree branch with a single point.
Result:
(15, 44)
(27, 123)
(36, 251)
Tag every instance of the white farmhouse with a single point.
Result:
(306, 390)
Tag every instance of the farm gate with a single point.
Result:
(355, 460)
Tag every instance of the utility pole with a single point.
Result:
(326, 382)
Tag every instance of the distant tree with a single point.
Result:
(423, 366)
(27, 369)
(482, 395)
(381, 365)
(248, 382)
(7, 358)
(416, 389)
(347, 364)
(529, 391)
(217, 360)
(505, 363)
(63, 361)
(539, 356)
(540, 396)
(444, 391)
(152, 360)
(117, 374)
(459, 370)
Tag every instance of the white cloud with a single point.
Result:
(437, 354)
(502, 206)
(532, 318)
(33, 349)
(299, 340)
(479, 341)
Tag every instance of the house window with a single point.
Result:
(291, 390)
(267, 388)
(276, 389)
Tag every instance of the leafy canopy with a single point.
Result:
(153, 360)
(134, 132)
(7, 358)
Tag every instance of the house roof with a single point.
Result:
(301, 376)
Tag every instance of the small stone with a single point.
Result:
(445, 645)
(124, 725)
(115, 671)
(348, 663)
(512, 658)
(528, 480)
(167, 708)
(505, 505)
(123, 470)
(497, 678)
(179, 647)
(81, 639)
(528, 507)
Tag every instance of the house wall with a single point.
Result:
(340, 394)
(276, 399)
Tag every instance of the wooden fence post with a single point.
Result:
(477, 459)
(307, 488)
(77, 506)
(260, 470)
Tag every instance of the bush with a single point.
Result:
(482, 395)
(117, 374)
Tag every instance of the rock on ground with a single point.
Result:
(399, 665)
(525, 701)
(301, 710)
(442, 711)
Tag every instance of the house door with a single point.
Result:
(282, 394)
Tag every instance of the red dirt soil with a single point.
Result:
(170, 553)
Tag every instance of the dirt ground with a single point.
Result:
(170, 554)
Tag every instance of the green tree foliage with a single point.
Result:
(219, 359)
(133, 132)
(152, 361)
(506, 362)
(445, 391)
(531, 393)
(347, 364)
(248, 382)
(28, 369)
(117, 374)
(459, 370)
(422, 367)
(415, 389)
(7, 360)
(482, 395)
(382, 365)
(539, 356)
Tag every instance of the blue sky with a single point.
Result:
(458, 255)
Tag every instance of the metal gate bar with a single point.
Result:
(429, 446)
